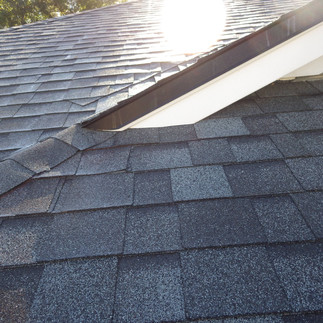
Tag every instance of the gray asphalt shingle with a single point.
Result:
(241, 239)
(199, 183)
(230, 282)
(152, 187)
(223, 127)
(103, 160)
(212, 151)
(219, 223)
(12, 174)
(45, 155)
(18, 287)
(289, 145)
(306, 120)
(282, 104)
(311, 206)
(281, 219)
(152, 229)
(32, 197)
(300, 270)
(261, 125)
(66, 290)
(97, 191)
(253, 148)
(159, 157)
(261, 178)
(149, 289)
(309, 171)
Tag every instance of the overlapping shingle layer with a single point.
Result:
(217, 221)
(57, 72)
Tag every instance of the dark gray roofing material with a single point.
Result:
(57, 72)
(236, 232)
(220, 221)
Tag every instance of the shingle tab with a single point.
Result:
(312, 141)
(12, 174)
(254, 148)
(45, 155)
(66, 290)
(18, 287)
(152, 229)
(103, 160)
(31, 197)
(21, 239)
(222, 127)
(286, 89)
(199, 183)
(82, 234)
(96, 191)
(238, 109)
(82, 138)
(300, 270)
(282, 104)
(219, 223)
(289, 145)
(261, 125)
(281, 220)
(152, 187)
(177, 133)
(211, 151)
(137, 136)
(309, 171)
(307, 120)
(149, 289)
(311, 206)
(261, 178)
(230, 282)
(68, 167)
(159, 157)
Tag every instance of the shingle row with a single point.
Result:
(170, 287)
(162, 228)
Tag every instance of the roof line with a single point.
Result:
(208, 68)
(49, 20)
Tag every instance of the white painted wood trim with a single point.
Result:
(238, 83)
(310, 69)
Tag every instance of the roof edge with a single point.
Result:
(208, 68)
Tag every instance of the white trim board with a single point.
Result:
(238, 83)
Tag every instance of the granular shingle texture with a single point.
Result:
(152, 229)
(231, 281)
(159, 157)
(149, 289)
(88, 192)
(300, 269)
(66, 290)
(218, 221)
(199, 183)
(261, 178)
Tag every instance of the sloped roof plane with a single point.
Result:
(217, 221)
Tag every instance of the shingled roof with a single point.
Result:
(216, 221)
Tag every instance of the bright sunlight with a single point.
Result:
(192, 26)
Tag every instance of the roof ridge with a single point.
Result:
(50, 20)
(37, 158)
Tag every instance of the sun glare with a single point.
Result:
(192, 26)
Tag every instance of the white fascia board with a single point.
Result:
(310, 69)
(238, 83)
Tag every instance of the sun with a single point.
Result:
(192, 26)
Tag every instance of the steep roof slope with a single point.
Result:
(221, 219)
(57, 72)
